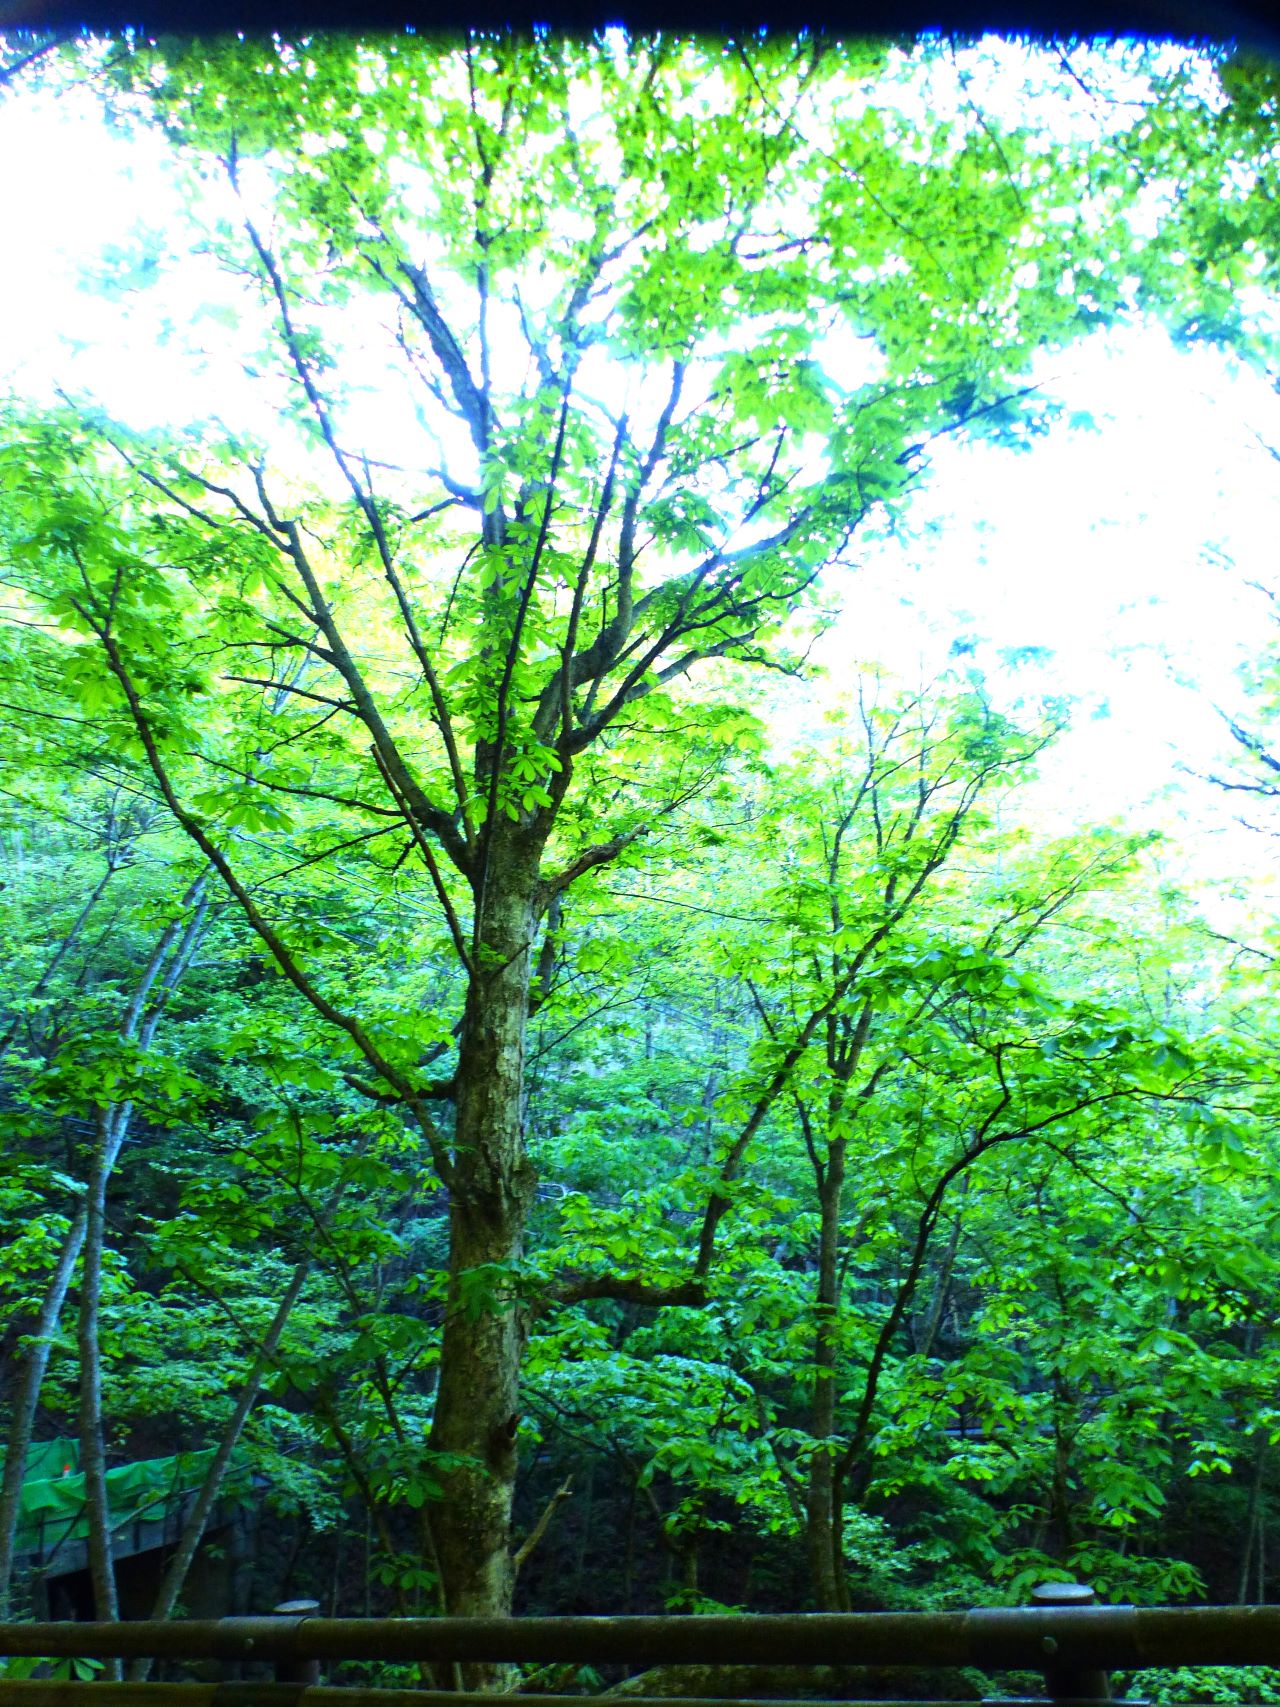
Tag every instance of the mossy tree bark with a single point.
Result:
(477, 1409)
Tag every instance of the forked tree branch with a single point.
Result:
(283, 955)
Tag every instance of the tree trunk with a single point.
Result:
(112, 1131)
(689, 1569)
(1262, 1550)
(825, 1524)
(140, 1022)
(1060, 1490)
(586, 1513)
(629, 1548)
(27, 1399)
(64, 948)
(1254, 1526)
(36, 1360)
(933, 1320)
(175, 1574)
(477, 1407)
(93, 1460)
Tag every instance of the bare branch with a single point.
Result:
(429, 860)
(592, 857)
(531, 1540)
(284, 957)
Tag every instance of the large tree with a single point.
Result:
(652, 330)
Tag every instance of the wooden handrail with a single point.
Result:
(1066, 1642)
(1001, 1638)
(64, 1694)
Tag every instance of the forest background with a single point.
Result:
(588, 1111)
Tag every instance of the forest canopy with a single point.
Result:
(586, 1119)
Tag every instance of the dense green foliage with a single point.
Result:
(462, 1045)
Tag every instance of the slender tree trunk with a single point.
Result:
(26, 1401)
(1253, 1527)
(477, 1405)
(689, 1569)
(36, 1358)
(64, 948)
(175, 1574)
(335, 1579)
(165, 968)
(629, 1549)
(586, 1513)
(1246, 1553)
(825, 1526)
(1060, 1492)
(1262, 1549)
(35, 1363)
(93, 1460)
(938, 1303)
(139, 1025)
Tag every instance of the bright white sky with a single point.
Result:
(1106, 548)
(1126, 552)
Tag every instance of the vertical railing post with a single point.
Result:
(1071, 1682)
(297, 1670)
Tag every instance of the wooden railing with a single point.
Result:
(1073, 1648)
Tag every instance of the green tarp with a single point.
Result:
(52, 1509)
(48, 1461)
(48, 1458)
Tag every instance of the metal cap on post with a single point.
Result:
(1071, 1682)
(297, 1670)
